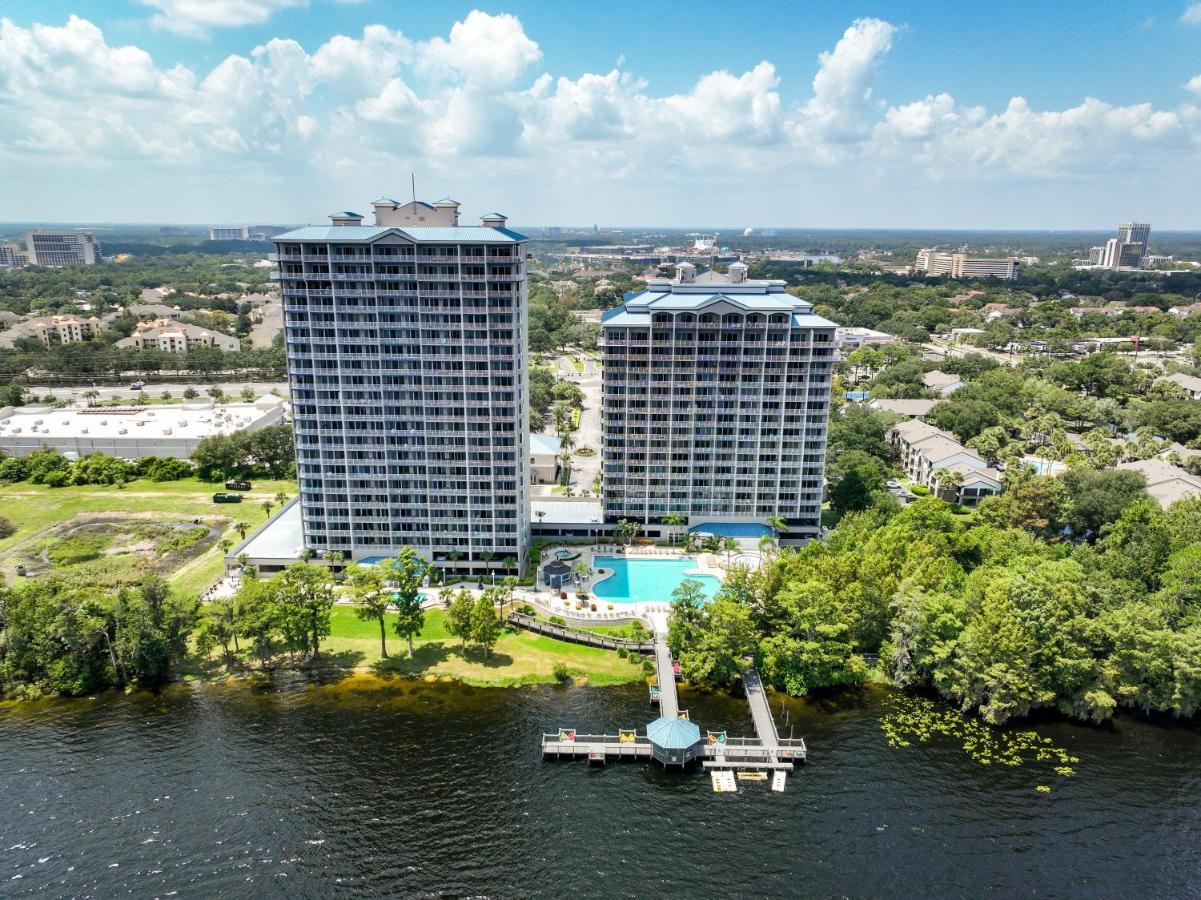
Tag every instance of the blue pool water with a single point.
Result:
(636, 580)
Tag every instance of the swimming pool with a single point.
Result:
(637, 580)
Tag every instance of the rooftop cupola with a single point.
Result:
(346, 218)
(685, 273)
(494, 220)
(738, 272)
(452, 206)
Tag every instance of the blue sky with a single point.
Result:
(1049, 115)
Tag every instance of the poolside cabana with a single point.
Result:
(556, 574)
(674, 742)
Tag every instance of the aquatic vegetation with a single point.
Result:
(908, 719)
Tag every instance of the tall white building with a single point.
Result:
(61, 248)
(406, 345)
(716, 403)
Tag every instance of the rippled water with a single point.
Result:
(396, 788)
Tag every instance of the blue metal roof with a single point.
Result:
(673, 734)
(362, 234)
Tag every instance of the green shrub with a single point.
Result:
(6, 527)
(526, 610)
(621, 651)
(56, 478)
(648, 666)
(561, 673)
(558, 620)
(920, 489)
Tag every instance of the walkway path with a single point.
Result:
(765, 725)
(669, 704)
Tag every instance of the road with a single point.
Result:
(958, 350)
(122, 392)
(584, 469)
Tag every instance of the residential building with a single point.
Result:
(176, 337)
(716, 402)
(934, 263)
(1165, 482)
(943, 382)
(55, 330)
(406, 347)
(927, 451)
(13, 256)
(1192, 309)
(544, 458)
(1189, 383)
(913, 409)
(55, 249)
(994, 311)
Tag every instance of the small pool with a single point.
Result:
(565, 554)
(1044, 466)
(638, 580)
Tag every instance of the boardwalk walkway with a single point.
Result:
(577, 636)
(669, 704)
(765, 725)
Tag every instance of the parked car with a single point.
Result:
(237, 485)
(223, 497)
(137, 385)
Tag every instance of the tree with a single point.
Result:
(405, 574)
(459, 613)
(730, 545)
(949, 483)
(241, 528)
(267, 506)
(305, 595)
(814, 646)
(675, 520)
(365, 585)
(1097, 498)
(485, 623)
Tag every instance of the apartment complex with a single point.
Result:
(176, 337)
(61, 248)
(407, 369)
(934, 459)
(55, 330)
(959, 265)
(716, 403)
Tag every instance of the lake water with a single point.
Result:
(373, 788)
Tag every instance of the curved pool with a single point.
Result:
(639, 580)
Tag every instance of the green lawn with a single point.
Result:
(33, 508)
(518, 658)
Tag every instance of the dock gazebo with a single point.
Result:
(674, 741)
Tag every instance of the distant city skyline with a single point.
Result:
(789, 116)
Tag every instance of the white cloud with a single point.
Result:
(482, 50)
(842, 87)
(1191, 14)
(196, 18)
(355, 108)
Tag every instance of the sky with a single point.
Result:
(1048, 115)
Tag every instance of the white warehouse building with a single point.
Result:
(130, 432)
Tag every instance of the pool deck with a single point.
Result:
(654, 612)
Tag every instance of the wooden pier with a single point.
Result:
(766, 751)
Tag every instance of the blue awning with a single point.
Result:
(673, 734)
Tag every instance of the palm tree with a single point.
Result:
(281, 497)
(767, 547)
(91, 395)
(541, 514)
(778, 524)
(952, 480)
(675, 520)
(225, 544)
(241, 528)
(729, 545)
(267, 506)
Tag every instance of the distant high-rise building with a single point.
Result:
(407, 369)
(1129, 250)
(716, 403)
(61, 248)
(13, 256)
(959, 265)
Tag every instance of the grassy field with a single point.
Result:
(518, 657)
(34, 508)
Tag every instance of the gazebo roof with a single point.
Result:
(556, 569)
(673, 734)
